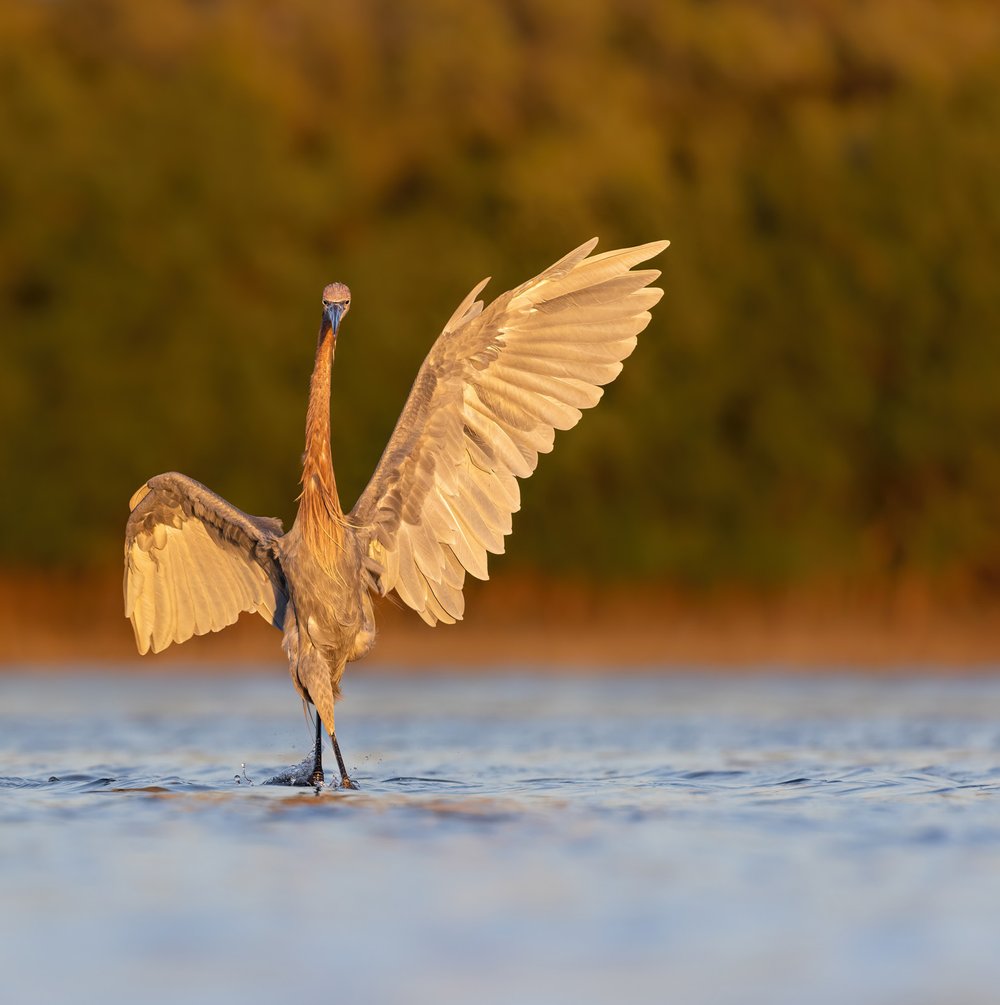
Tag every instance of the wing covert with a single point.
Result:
(194, 562)
(495, 387)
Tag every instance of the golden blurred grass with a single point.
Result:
(550, 626)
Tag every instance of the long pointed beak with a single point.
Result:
(334, 312)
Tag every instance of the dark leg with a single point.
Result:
(345, 781)
(317, 774)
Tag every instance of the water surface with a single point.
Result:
(682, 838)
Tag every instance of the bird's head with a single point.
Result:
(336, 303)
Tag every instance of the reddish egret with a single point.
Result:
(487, 400)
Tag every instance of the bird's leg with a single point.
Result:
(345, 780)
(317, 774)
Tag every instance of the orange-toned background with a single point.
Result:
(802, 460)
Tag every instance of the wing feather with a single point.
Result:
(569, 390)
(193, 563)
(495, 387)
(510, 455)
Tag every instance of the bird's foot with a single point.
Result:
(305, 774)
(348, 783)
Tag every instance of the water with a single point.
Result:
(688, 839)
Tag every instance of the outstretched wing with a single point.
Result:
(487, 400)
(193, 562)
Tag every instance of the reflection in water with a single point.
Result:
(514, 839)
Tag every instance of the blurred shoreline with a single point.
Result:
(59, 619)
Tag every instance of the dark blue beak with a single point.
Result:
(334, 312)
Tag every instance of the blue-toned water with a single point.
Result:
(683, 838)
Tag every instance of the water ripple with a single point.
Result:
(737, 836)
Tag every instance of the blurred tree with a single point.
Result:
(818, 390)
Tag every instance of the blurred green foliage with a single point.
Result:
(818, 393)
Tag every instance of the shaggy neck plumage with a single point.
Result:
(320, 504)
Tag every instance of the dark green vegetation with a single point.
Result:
(818, 393)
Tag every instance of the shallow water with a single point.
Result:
(690, 839)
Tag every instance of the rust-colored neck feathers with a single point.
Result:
(319, 508)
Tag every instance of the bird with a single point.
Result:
(497, 383)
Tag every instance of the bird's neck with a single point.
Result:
(320, 504)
